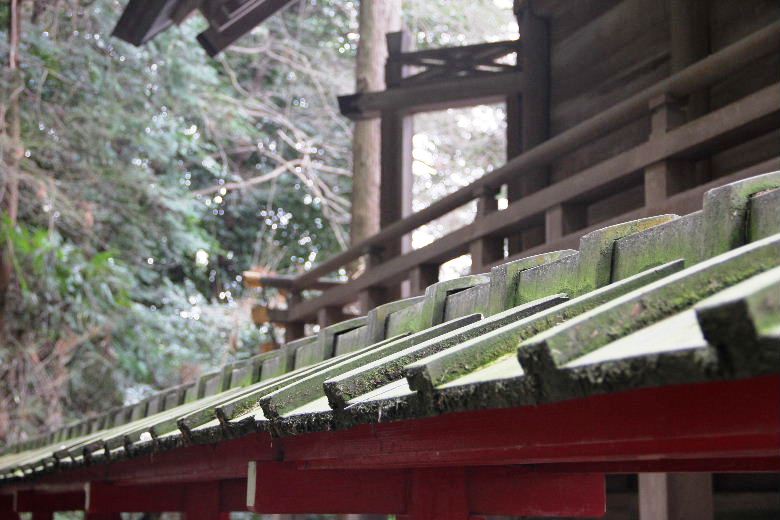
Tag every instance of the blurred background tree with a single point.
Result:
(149, 179)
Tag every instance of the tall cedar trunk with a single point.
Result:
(10, 148)
(377, 17)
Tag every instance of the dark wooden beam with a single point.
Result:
(534, 115)
(220, 35)
(143, 20)
(422, 56)
(436, 95)
(285, 282)
(262, 315)
(41, 501)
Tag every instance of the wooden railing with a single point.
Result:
(433, 79)
(667, 144)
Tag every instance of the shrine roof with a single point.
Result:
(660, 301)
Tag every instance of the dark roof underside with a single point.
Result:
(142, 20)
(228, 20)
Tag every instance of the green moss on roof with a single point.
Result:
(659, 301)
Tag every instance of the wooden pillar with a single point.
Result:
(564, 219)
(689, 42)
(675, 496)
(421, 277)
(486, 250)
(293, 329)
(43, 515)
(372, 296)
(102, 516)
(534, 113)
(329, 315)
(514, 118)
(666, 177)
(397, 130)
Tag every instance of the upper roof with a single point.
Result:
(659, 301)
(228, 20)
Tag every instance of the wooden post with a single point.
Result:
(514, 118)
(373, 296)
(689, 42)
(421, 277)
(534, 113)
(689, 26)
(486, 250)
(397, 130)
(294, 329)
(666, 177)
(675, 496)
(329, 315)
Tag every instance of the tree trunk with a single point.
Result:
(10, 148)
(376, 19)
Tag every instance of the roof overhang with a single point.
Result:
(228, 19)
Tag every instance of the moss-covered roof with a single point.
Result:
(660, 301)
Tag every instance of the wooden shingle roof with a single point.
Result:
(660, 301)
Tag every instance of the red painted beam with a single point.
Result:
(681, 465)
(515, 491)
(663, 429)
(438, 494)
(669, 423)
(280, 488)
(429, 493)
(193, 499)
(29, 501)
(7, 508)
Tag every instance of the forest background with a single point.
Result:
(147, 179)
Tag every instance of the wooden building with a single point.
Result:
(617, 109)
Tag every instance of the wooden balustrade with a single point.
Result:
(663, 160)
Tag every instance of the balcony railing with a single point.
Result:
(667, 145)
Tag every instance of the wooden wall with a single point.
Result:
(604, 51)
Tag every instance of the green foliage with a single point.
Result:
(154, 176)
